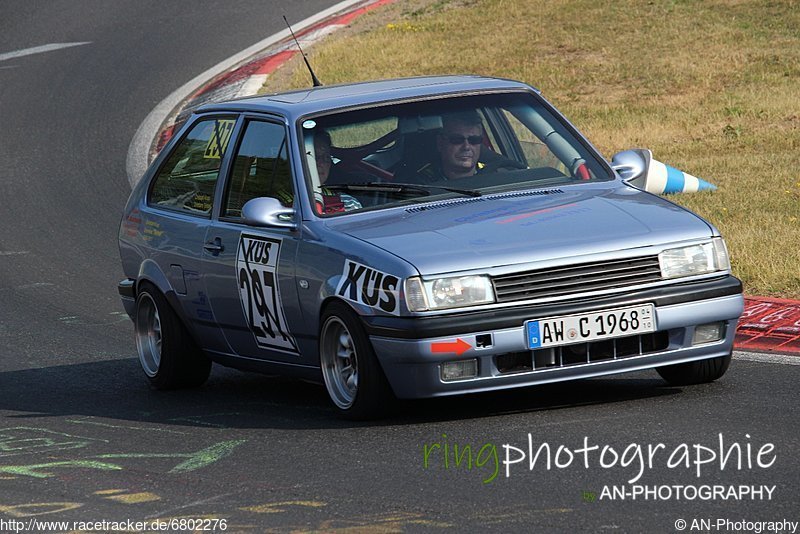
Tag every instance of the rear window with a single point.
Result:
(187, 180)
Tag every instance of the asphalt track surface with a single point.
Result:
(82, 437)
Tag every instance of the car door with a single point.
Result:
(178, 212)
(249, 272)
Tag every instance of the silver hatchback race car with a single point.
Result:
(415, 238)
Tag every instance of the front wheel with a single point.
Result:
(697, 372)
(353, 376)
(167, 353)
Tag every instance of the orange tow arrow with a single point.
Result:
(459, 346)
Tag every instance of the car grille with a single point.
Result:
(582, 353)
(573, 279)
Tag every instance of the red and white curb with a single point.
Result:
(769, 324)
(162, 117)
(249, 76)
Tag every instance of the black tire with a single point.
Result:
(697, 372)
(169, 356)
(353, 376)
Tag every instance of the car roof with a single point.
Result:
(302, 102)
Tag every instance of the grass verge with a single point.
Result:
(711, 87)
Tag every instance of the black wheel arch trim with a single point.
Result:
(127, 288)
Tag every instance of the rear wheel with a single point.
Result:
(353, 376)
(167, 353)
(697, 372)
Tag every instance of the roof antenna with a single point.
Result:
(314, 78)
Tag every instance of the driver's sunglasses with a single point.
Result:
(459, 139)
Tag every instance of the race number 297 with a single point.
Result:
(256, 265)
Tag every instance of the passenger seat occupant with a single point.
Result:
(322, 154)
(327, 201)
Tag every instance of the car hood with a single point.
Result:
(524, 227)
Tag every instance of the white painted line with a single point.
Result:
(36, 285)
(311, 38)
(27, 286)
(767, 358)
(137, 160)
(14, 252)
(39, 50)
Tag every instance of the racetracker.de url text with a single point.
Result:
(154, 525)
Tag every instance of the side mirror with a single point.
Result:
(268, 212)
(632, 165)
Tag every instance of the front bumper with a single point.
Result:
(414, 369)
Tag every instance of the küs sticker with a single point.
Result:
(257, 265)
(370, 287)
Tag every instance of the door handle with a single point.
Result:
(214, 247)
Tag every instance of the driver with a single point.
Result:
(458, 145)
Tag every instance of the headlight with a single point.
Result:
(694, 259)
(443, 293)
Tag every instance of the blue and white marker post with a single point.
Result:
(654, 176)
(662, 179)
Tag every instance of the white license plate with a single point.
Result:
(584, 327)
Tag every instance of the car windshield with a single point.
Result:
(413, 152)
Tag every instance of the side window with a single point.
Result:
(187, 180)
(260, 168)
(536, 151)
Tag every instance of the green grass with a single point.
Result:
(711, 87)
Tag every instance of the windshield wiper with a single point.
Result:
(395, 187)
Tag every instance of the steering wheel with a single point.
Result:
(503, 163)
